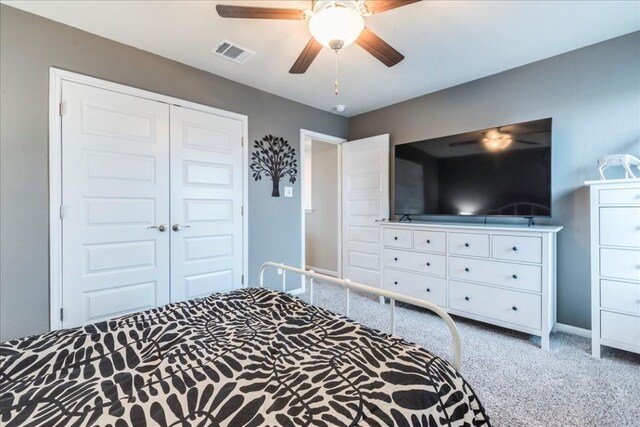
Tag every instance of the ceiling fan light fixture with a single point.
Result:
(337, 25)
(494, 140)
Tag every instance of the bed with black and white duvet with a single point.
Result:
(251, 357)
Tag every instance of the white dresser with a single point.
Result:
(503, 275)
(615, 264)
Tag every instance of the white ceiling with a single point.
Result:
(446, 43)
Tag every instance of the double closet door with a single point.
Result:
(152, 204)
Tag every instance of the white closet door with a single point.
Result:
(115, 180)
(365, 200)
(206, 203)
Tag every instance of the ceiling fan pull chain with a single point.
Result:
(335, 83)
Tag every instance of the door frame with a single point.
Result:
(305, 135)
(56, 211)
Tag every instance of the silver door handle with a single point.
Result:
(178, 227)
(160, 227)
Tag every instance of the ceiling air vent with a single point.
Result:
(231, 51)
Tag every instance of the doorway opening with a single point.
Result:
(321, 203)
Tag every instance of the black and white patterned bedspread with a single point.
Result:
(250, 357)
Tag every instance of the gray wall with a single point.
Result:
(593, 95)
(321, 225)
(29, 45)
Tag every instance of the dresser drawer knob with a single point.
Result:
(515, 276)
(395, 238)
(395, 258)
(466, 269)
(515, 248)
(514, 308)
(428, 290)
(428, 241)
(466, 244)
(428, 264)
(395, 283)
(466, 298)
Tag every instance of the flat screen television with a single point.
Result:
(502, 171)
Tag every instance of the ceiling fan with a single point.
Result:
(333, 24)
(496, 140)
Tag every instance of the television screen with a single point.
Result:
(503, 171)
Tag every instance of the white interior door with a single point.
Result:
(115, 176)
(206, 203)
(365, 195)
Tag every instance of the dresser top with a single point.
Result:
(613, 181)
(476, 226)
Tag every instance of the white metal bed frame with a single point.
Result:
(393, 297)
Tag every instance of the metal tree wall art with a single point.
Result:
(275, 158)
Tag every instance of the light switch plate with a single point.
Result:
(288, 191)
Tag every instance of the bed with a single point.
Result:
(250, 357)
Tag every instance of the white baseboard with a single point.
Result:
(573, 330)
(322, 271)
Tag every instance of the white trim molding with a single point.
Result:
(572, 330)
(56, 77)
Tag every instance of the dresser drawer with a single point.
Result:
(415, 261)
(620, 296)
(396, 237)
(498, 304)
(620, 263)
(622, 196)
(620, 328)
(516, 248)
(433, 241)
(517, 276)
(429, 288)
(620, 227)
(469, 244)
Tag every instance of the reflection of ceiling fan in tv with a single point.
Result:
(333, 24)
(496, 140)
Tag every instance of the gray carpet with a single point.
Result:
(519, 384)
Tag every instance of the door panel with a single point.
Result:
(206, 203)
(365, 172)
(115, 176)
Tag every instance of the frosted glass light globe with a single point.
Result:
(336, 27)
(496, 141)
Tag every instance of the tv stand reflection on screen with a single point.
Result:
(404, 218)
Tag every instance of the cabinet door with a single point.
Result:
(115, 193)
(206, 203)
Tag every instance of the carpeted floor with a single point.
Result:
(519, 384)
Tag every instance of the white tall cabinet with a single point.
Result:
(498, 274)
(615, 264)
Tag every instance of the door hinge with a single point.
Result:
(63, 108)
(61, 314)
(242, 210)
(63, 211)
(242, 141)
(242, 279)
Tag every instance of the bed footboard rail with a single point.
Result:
(393, 297)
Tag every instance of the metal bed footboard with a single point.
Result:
(393, 297)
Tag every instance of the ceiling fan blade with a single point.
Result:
(461, 143)
(522, 141)
(306, 57)
(379, 48)
(250, 12)
(379, 6)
